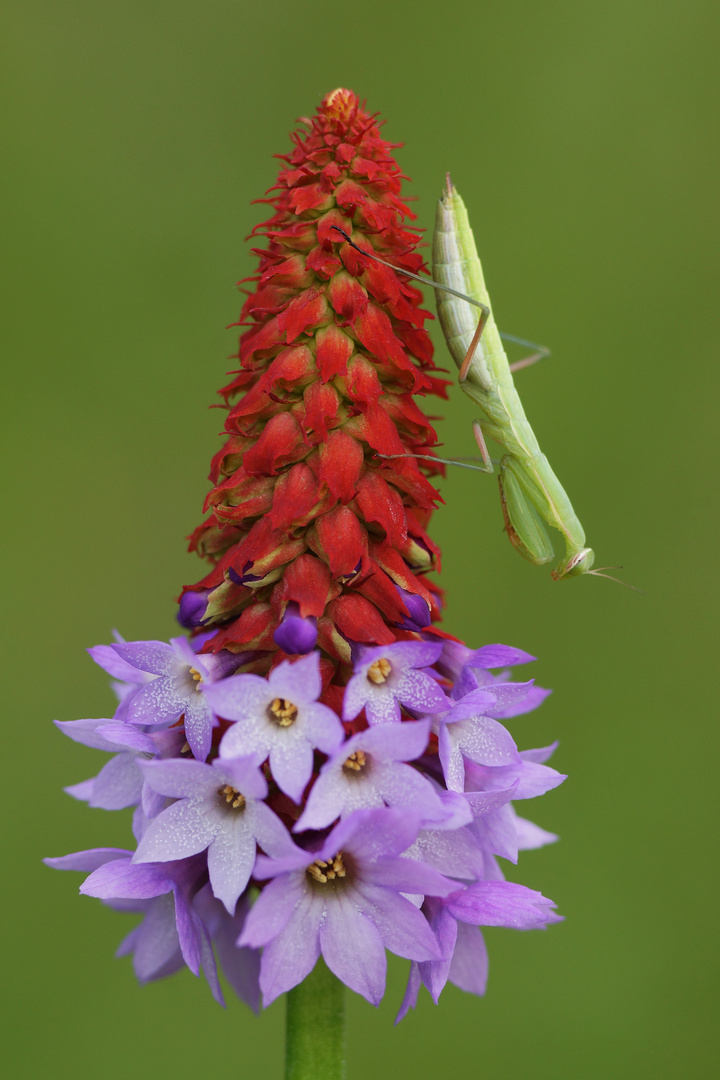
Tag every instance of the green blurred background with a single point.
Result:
(584, 139)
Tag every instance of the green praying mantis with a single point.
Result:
(531, 495)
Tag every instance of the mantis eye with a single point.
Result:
(579, 563)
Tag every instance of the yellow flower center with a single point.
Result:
(379, 670)
(324, 870)
(197, 677)
(356, 762)
(232, 797)
(283, 712)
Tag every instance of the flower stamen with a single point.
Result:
(356, 762)
(232, 797)
(379, 670)
(197, 677)
(324, 870)
(282, 711)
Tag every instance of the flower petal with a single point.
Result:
(231, 857)
(353, 949)
(185, 828)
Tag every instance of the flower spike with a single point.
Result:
(316, 770)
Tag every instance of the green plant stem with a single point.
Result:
(315, 1028)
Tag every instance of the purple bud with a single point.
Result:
(192, 608)
(296, 635)
(419, 612)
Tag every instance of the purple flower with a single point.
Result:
(172, 932)
(174, 692)
(280, 718)
(126, 679)
(418, 616)
(469, 670)
(240, 966)
(528, 773)
(467, 731)
(192, 608)
(452, 846)
(220, 808)
(411, 861)
(387, 676)
(120, 781)
(456, 657)
(368, 771)
(344, 901)
(296, 635)
(464, 957)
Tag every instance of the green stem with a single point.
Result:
(315, 1041)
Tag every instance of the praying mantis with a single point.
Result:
(531, 496)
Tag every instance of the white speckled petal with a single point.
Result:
(180, 778)
(322, 727)
(231, 857)
(239, 697)
(451, 758)
(381, 707)
(154, 656)
(198, 726)
(291, 763)
(292, 955)
(248, 737)
(156, 703)
(268, 829)
(401, 785)
(420, 692)
(353, 948)
(299, 681)
(185, 828)
(485, 741)
(118, 784)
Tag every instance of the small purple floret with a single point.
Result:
(280, 718)
(388, 676)
(296, 635)
(192, 608)
(175, 690)
(418, 616)
(356, 917)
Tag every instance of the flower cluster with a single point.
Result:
(316, 769)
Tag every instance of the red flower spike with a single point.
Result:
(333, 356)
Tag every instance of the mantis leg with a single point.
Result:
(465, 366)
(482, 447)
(541, 352)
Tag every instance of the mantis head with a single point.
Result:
(579, 563)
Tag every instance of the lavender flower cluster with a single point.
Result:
(268, 833)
